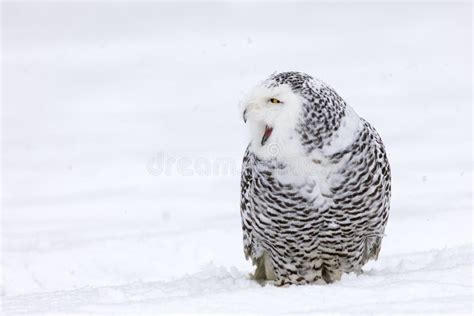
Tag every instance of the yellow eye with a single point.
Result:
(273, 100)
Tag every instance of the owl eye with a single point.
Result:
(273, 100)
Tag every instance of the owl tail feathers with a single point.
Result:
(264, 270)
(372, 248)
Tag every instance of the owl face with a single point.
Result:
(295, 111)
(271, 111)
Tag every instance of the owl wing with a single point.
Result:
(382, 196)
(364, 197)
(246, 203)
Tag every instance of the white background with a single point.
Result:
(117, 119)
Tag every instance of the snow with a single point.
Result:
(122, 142)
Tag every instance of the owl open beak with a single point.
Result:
(266, 135)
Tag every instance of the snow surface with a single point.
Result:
(122, 143)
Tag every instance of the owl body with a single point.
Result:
(315, 183)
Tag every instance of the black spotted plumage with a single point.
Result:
(313, 231)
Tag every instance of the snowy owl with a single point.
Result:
(315, 186)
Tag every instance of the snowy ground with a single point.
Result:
(122, 144)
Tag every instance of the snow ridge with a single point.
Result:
(220, 289)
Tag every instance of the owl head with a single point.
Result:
(293, 113)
